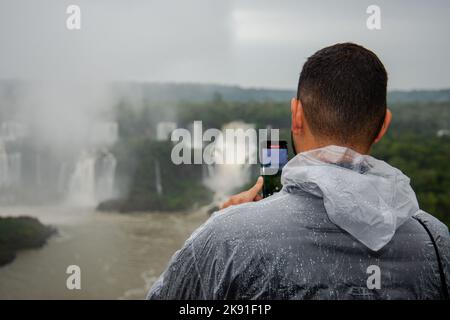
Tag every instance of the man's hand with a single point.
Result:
(250, 195)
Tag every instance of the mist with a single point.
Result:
(45, 127)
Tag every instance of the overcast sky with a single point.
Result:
(255, 43)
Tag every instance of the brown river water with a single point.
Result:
(120, 255)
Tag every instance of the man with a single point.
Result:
(344, 226)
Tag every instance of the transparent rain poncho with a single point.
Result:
(364, 196)
(338, 215)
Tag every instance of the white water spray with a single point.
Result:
(225, 179)
(92, 179)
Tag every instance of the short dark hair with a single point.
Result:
(343, 92)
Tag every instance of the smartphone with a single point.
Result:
(274, 156)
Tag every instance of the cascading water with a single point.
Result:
(10, 162)
(92, 179)
(4, 166)
(10, 167)
(159, 188)
(106, 168)
(82, 182)
(225, 176)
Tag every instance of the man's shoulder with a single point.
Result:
(251, 216)
(438, 231)
(432, 224)
(282, 211)
(254, 210)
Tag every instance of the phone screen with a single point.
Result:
(274, 156)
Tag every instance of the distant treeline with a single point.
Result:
(195, 92)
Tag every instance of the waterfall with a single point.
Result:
(4, 171)
(106, 167)
(92, 179)
(10, 167)
(224, 177)
(10, 162)
(159, 188)
(82, 182)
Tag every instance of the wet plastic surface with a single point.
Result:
(339, 213)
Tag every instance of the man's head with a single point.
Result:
(341, 99)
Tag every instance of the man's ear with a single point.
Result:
(385, 126)
(296, 115)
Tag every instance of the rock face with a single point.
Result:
(17, 233)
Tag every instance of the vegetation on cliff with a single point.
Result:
(18, 233)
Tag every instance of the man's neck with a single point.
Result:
(311, 144)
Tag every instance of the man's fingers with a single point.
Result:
(225, 204)
(247, 196)
(231, 201)
(257, 187)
